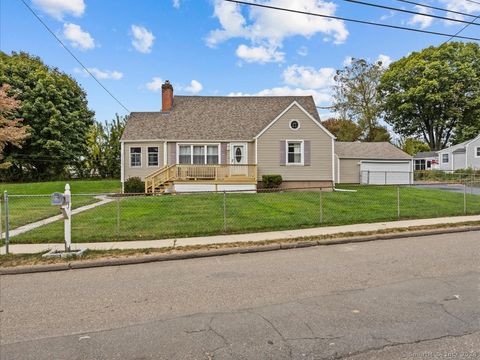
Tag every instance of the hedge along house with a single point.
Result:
(216, 143)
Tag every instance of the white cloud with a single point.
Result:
(176, 4)
(259, 54)
(347, 61)
(195, 87)
(302, 51)
(302, 81)
(59, 8)
(142, 39)
(308, 77)
(77, 37)
(422, 21)
(318, 96)
(385, 59)
(268, 28)
(461, 6)
(155, 84)
(101, 74)
(387, 16)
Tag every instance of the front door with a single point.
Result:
(238, 159)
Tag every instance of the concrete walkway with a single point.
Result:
(252, 237)
(28, 227)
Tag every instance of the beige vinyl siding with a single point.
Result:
(251, 153)
(143, 170)
(349, 171)
(268, 148)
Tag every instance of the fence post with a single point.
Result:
(7, 235)
(465, 197)
(321, 206)
(224, 211)
(118, 217)
(398, 202)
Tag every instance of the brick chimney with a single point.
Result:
(167, 96)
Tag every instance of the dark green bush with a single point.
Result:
(134, 185)
(272, 181)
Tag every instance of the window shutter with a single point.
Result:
(172, 153)
(282, 152)
(223, 153)
(306, 152)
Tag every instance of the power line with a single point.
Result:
(436, 8)
(73, 55)
(352, 20)
(473, 2)
(459, 31)
(407, 11)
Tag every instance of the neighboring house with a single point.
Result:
(216, 143)
(461, 156)
(372, 163)
(427, 160)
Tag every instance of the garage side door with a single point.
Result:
(385, 173)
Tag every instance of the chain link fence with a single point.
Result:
(120, 217)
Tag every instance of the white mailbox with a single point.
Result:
(64, 201)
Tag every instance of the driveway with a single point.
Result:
(450, 187)
(394, 299)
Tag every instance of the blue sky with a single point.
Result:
(210, 47)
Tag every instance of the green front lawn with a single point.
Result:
(29, 202)
(76, 186)
(135, 218)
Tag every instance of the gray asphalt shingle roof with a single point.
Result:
(425, 154)
(212, 118)
(369, 150)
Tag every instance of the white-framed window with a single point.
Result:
(477, 151)
(294, 124)
(212, 154)
(135, 156)
(420, 164)
(294, 152)
(198, 154)
(445, 158)
(152, 155)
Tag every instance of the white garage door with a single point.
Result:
(385, 172)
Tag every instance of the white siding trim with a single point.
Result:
(304, 111)
(333, 163)
(165, 159)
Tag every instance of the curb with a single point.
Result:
(228, 251)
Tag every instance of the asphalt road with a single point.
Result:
(415, 298)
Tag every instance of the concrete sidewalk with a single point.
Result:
(234, 238)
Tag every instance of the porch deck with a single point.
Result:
(162, 179)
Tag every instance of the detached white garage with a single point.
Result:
(372, 163)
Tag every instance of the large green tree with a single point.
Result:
(55, 109)
(355, 97)
(343, 129)
(434, 94)
(413, 146)
(103, 149)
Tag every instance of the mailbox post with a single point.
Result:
(67, 215)
(65, 203)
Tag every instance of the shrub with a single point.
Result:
(272, 181)
(134, 185)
